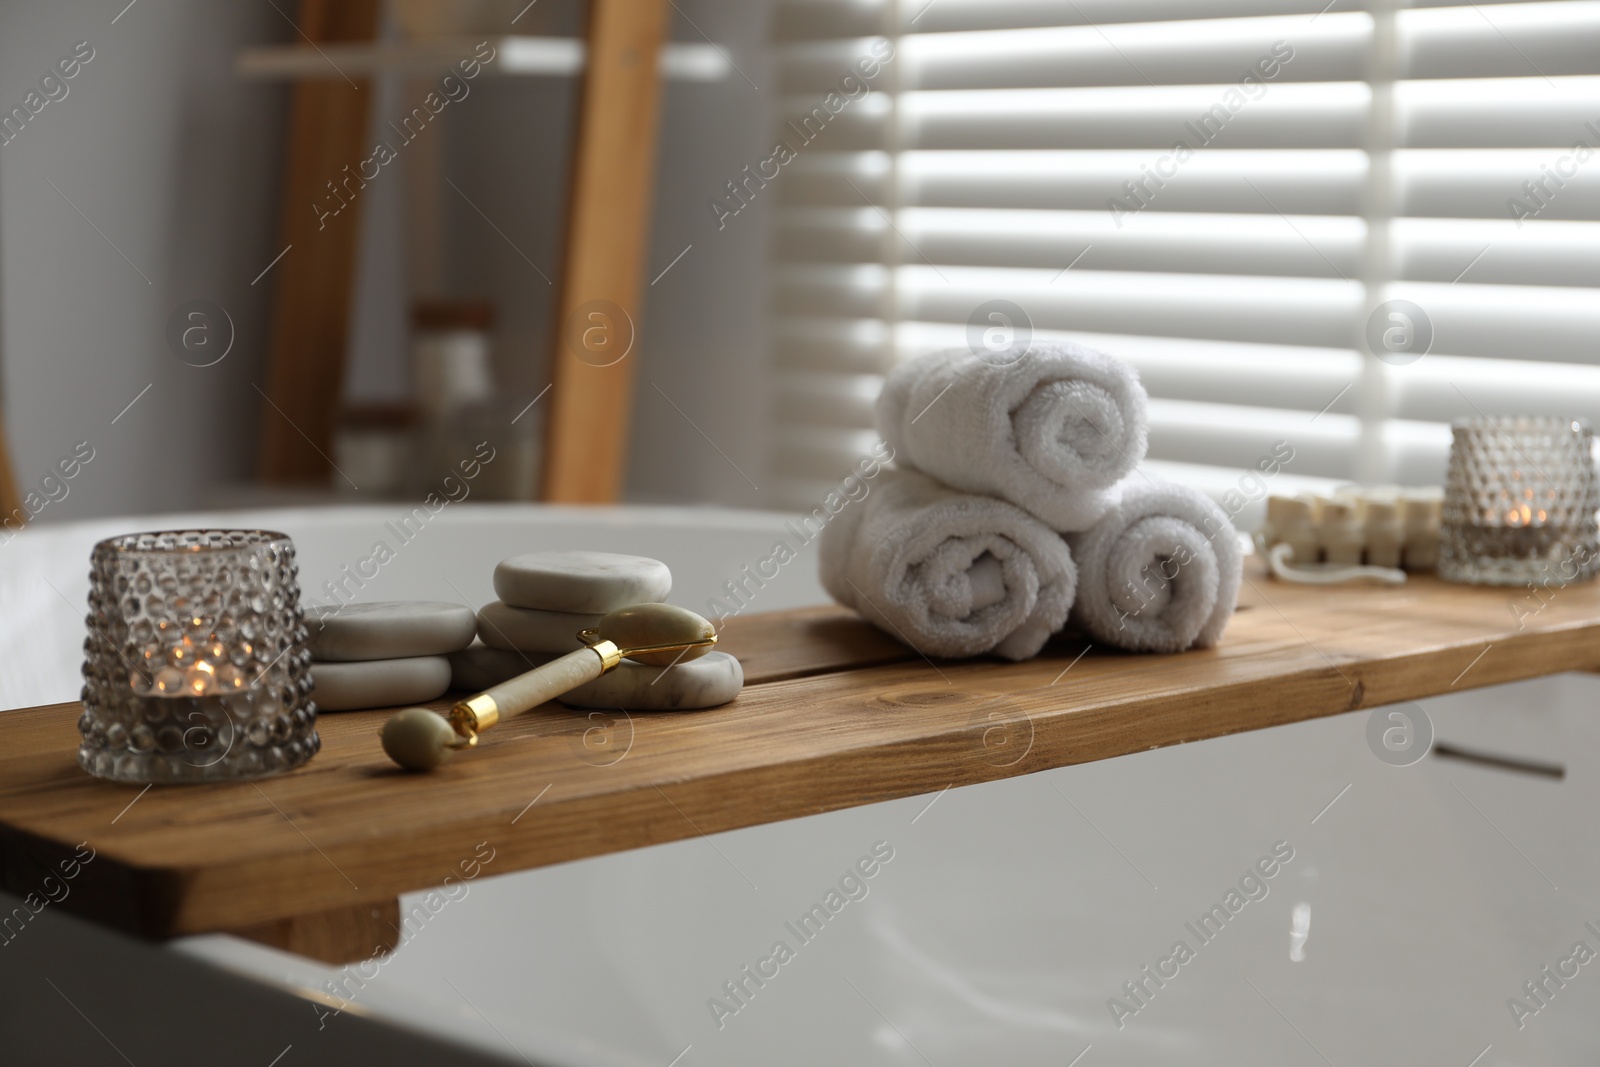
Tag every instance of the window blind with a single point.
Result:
(1229, 194)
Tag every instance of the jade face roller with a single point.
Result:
(657, 634)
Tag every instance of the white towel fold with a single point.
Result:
(949, 573)
(1160, 573)
(1050, 426)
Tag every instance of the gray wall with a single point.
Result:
(176, 161)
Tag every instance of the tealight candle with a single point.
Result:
(195, 665)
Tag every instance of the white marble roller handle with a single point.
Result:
(548, 681)
(419, 740)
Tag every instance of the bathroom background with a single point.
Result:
(1233, 205)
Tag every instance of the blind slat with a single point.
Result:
(1483, 251)
(1428, 183)
(1528, 112)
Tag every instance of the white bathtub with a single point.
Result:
(1010, 913)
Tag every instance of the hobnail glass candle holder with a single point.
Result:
(1520, 501)
(195, 666)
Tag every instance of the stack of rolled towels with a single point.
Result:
(389, 653)
(1014, 504)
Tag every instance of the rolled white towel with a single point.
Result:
(949, 573)
(1160, 573)
(1050, 426)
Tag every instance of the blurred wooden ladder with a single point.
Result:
(608, 215)
(10, 501)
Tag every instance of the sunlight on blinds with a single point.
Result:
(1236, 196)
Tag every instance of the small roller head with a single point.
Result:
(418, 739)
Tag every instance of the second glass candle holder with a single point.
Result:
(1520, 501)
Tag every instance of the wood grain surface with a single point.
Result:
(834, 715)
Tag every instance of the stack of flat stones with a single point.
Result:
(546, 598)
(385, 653)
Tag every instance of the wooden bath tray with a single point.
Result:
(834, 715)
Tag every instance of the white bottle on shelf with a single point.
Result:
(450, 366)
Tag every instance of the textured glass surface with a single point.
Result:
(1520, 501)
(195, 664)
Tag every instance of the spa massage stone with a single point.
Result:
(481, 667)
(379, 683)
(528, 630)
(547, 597)
(713, 679)
(388, 629)
(383, 653)
(581, 582)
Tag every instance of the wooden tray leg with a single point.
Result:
(341, 935)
